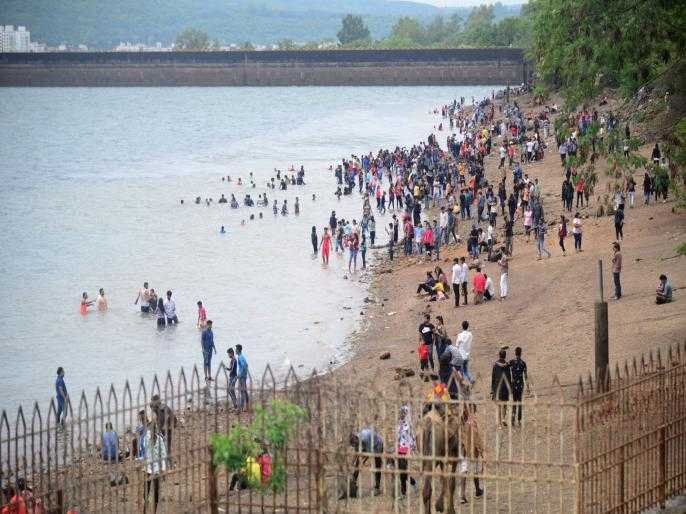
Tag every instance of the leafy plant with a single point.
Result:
(272, 426)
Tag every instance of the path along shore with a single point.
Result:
(549, 310)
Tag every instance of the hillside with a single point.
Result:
(102, 24)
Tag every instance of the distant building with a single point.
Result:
(12, 40)
(140, 47)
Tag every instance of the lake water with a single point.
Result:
(90, 188)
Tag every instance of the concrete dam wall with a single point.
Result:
(483, 66)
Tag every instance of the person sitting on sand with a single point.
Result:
(428, 284)
(664, 290)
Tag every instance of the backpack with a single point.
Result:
(562, 232)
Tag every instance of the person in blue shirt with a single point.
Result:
(207, 343)
(242, 372)
(110, 444)
(61, 396)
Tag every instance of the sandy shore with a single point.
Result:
(549, 310)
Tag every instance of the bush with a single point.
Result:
(272, 426)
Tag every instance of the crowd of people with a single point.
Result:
(280, 181)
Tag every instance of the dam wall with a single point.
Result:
(483, 66)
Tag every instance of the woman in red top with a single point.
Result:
(325, 245)
(428, 238)
(580, 191)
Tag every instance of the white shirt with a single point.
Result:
(465, 273)
(529, 146)
(576, 223)
(144, 295)
(464, 343)
(490, 233)
(457, 274)
(443, 219)
(489, 286)
(170, 308)
(503, 152)
(455, 355)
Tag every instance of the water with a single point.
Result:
(91, 182)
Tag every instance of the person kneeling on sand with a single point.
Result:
(663, 294)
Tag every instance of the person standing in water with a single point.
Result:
(315, 240)
(202, 316)
(144, 298)
(325, 245)
(159, 314)
(85, 303)
(353, 248)
(170, 310)
(101, 301)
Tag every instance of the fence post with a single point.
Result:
(601, 336)
(212, 482)
(622, 494)
(662, 491)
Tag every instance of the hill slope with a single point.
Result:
(103, 24)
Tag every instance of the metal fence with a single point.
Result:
(632, 435)
(616, 451)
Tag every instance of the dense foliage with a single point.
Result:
(582, 46)
(353, 30)
(192, 39)
(480, 29)
(271, 428)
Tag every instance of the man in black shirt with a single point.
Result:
(426, 330)
(519, 379)
(233, 377)
(166, 419)
(508, 236)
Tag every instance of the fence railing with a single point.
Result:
(632, 435)
(622, 450)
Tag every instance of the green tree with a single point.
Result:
(192, 39)
(479, 30)
(512, 31)
(353, 30)
(582, 46)
(247, 46)
(407, 33)
(287, 44)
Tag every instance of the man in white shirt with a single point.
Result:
(457, 280)
(503, 154)
(464, 343)
(170, 310)
(443, 224)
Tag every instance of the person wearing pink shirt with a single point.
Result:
(202, 316)
(479, 286)
(428, 238)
